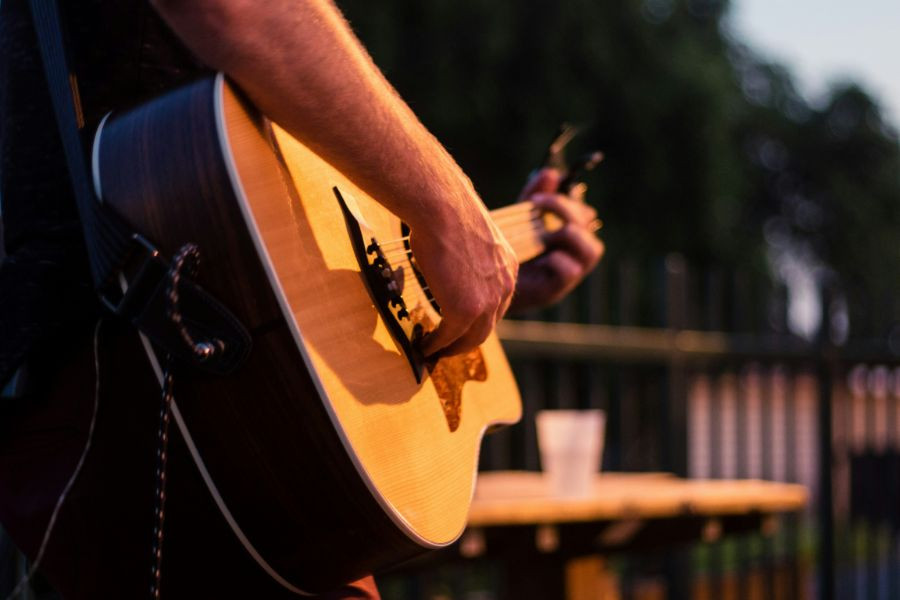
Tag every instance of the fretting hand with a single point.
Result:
(572, 251)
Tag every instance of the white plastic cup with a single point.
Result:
(571, 444)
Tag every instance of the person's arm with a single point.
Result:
(301, 65)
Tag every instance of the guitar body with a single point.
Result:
(333, 458)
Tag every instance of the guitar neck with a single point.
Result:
(524, 227)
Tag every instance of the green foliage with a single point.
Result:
(707, 147)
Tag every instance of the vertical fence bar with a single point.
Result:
(825, 372)
(879, 384)
(792, 473)
(870, 515)
(699, 425)
(767, 470)
(715, 420)
(532, 401)
(740, 441)
(597, 291)
(894, 519)
(614, 437)
(857, 448)
(870, 552)
(563, 373)
(842, 434)
(715, 554)
(674, 403)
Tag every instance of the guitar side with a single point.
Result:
(324, 441)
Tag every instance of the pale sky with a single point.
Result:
(823, 41)
(826, 40)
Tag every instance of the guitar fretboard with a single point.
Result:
(524, 226)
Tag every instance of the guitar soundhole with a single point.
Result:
(449, 374)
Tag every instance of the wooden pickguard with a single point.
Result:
(450, 374)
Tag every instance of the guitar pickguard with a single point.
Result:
(449, 374)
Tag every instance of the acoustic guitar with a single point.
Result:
(335, 450)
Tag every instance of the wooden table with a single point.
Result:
(543, 538)
(520, 497)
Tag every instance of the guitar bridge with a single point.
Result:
(385, 284)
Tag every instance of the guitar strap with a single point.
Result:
(131, 277)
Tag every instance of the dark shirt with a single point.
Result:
(121, 53)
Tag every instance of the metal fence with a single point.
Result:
(699, 377)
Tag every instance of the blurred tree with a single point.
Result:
(828, 180)
(707, 146)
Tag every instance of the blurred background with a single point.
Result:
(751, 193)
(745, 321)
(714, 151)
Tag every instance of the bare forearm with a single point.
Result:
(303, 67)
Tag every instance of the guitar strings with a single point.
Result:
(413, 290)
(521, 229)
(508, 229)
(411, 281)
(501, 222)
(401, 245)
(516, 221)
(512, 212)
